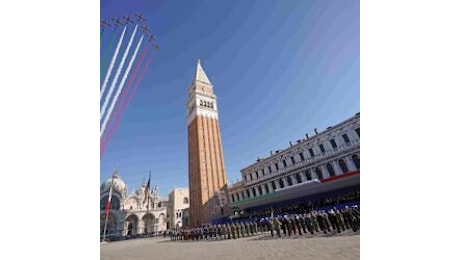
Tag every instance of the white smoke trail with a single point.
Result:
(112, 62)
(120, 87)
(112, 86)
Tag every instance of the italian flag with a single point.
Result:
(107, 209)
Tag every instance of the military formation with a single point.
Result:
(333, 220)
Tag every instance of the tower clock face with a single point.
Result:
(204, 103)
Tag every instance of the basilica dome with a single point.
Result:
(119, 185)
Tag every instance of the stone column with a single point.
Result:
(302, 175)
(336, 166)
(277, 183)
(350, 164)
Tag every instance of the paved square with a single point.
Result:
(318, 246)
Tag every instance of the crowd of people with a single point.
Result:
(333, 220)
(306, 205)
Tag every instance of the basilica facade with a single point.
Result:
(141, 212)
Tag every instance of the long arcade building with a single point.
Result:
(326, 163)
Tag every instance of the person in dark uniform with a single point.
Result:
(232, 229)
(277, 225)
(284, 226)
(326, 221)
(309, 223)
(302, 222)
(314, 221)
(228, 230)
(297, 224)
(291, 220)
(271, 226)
(288, 225)
(246, 228)
(345, 218)
(238, 229)
(333, 218)
(355, 214)
(339, 218)
(219, 231)
(321, 224)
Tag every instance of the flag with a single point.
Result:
(147, 189)
(107, 208)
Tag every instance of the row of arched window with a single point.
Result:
(311, 152)
(288, 180)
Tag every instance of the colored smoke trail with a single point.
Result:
(120, 87)
(112, 62)
(117, 121)
(104, 59)
(128, 86)
(114, 81)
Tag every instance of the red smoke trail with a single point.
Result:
(104, 141)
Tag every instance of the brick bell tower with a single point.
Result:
(206, 171)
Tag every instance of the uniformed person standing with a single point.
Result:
(339, 218)
(284, 226)
(333, 218)
(314, 221)
(277, 225)
(232, 229)
(238, 229)
(302, 223)
(297, 224)
(321, 223)
(271, 226)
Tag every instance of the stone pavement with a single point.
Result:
(319, 246)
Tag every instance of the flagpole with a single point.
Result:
(148, 202)
(107, 210)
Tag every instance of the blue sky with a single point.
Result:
(279, 70)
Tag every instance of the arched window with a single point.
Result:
(247, 194)
(289, 180)
(343, 166)
(273, 185)
(355, 159)
(308, 175)
(330, 169)
(266, 188)
(260, 190)
(281, 183)
(185, 200)
(319, 173)
(254, 191)
(233, 197)
(298, 177)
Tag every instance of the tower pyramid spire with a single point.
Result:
(200, 75)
